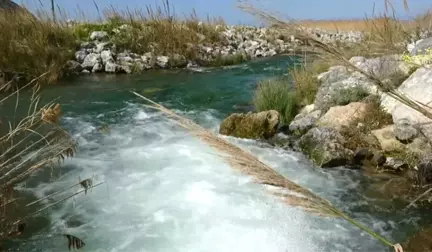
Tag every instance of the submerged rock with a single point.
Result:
(262, 125)
(325, 146)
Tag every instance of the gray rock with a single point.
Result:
(98, 67)
(87, 45)
(73, 66)
(404, 130)
(110, 67)
(102, 46)
(419, 88)
(80, 55)
(422, 47)
(162, 61)
(91, 60)
(98, 35)
(304, 122)
(325, 146)
(85, 71)
(178, 60)
(106, 56)
(382, 67)
(395, 164)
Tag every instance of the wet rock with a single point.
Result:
(405, 131)
(424, 174)
(325, 146)
(98, 35)
(420, 242)
(343, 116)
(178, 60)
(366, 157)
(73, 66)
(91, 60)
(262, 125)
(387, 139)
(304, 122)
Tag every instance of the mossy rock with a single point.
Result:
(262, 125)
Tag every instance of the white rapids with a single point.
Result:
(166, 191)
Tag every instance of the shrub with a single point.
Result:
(276, 94)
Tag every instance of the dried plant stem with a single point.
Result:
(263, 174)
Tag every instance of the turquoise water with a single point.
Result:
(167, 191)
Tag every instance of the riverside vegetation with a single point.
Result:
(350, 114)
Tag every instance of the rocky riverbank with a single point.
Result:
(353, 123)
(234, 45)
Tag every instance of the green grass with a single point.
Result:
(276, 94)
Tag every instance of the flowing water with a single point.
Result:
(167, 191)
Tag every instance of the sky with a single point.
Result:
(228, 10)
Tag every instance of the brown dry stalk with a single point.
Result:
(288, 191)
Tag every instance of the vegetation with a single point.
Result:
(276, 94)
(31, 47)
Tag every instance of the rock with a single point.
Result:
(368, 158)
(87, 45)
(420, 242)
(339, 86)
(387, 139)
(162, 61)
(307, 109)
(91, 60)
(382, 67)
(80, 56)
(85, 71)
(98, 67)
(98, 35)
(262, 125)
(102, 46)
(178, 60)
(304, 122)
(405, 131)
(325, 146)
(343, 116)
(395, 164)
(424, 174)
(422, 47)
(110, 67)
(419, 88)
(124, 69)
(73, 66)
(106, 56)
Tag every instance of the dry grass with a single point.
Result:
(30, 47)
(32, 143)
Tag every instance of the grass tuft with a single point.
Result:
(276, 94)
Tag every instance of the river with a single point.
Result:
(167, 191)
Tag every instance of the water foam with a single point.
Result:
(167, 191)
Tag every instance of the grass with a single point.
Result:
(30, 47)
(276, 94)
(305, 80)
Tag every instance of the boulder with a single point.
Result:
(325, 146)
(162, 61)
(91, 60)
(368, 158)
(382, 67)
(262, 125)
(106, 56)
(343, 116)
(419, 88)
(405, 131)
(102, 46)
(387, 139)
(304, 122)
(395, 164)
(98, 67)
(111, 67)
(98, 35)
(73, 66)
(421, 47)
